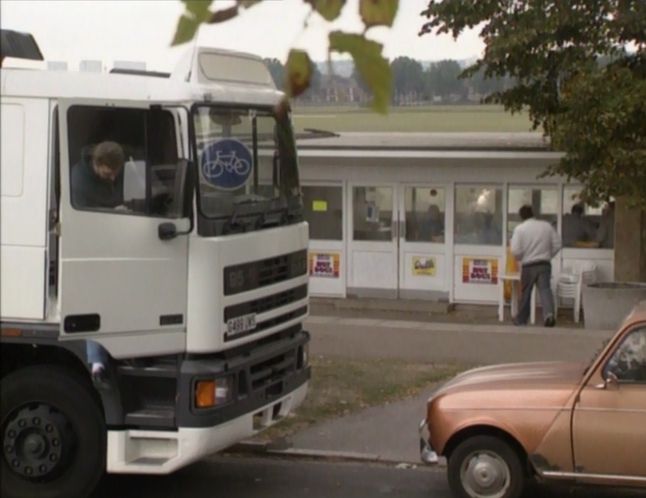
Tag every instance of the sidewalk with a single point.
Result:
(389, 432)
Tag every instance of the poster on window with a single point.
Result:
(424, 266)
(324, 264)
(480, 270)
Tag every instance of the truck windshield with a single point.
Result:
(248, 171)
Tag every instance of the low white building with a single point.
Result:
(429, 215)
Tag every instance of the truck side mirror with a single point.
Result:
(167, 231)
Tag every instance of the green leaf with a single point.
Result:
(299, 72)
(198, 9)
(329, 9)
(195, 13)
(186, 28)
(371, 65)
(378, 12)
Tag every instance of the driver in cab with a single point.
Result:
(97, 182)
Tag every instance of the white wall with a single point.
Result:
(23, 209)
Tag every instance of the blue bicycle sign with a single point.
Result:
(226, 163)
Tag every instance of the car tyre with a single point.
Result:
(53, 435)
(485, 467)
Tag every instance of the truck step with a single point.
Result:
(167, 370)
(160, 416)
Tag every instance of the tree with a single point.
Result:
(369, 61)
(443, 80)
(408, 79)
(482, 85)
(594, 112)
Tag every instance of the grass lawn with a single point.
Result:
(340, 386)
(440, 118)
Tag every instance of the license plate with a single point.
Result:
(241, 324)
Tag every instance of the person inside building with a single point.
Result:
(433, 229)
(486, 230)
(577, 231)
(97, 181)
(606, 231)
(534, 244)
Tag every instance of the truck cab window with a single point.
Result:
(248, 173)
(124, 161)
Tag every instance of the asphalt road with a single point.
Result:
(251, 477)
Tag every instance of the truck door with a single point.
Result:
(122, 280)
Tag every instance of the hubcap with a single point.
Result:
(485, 474)
(36, 441)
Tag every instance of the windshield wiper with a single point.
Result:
(232, 224)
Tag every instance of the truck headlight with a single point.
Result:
(213, 392)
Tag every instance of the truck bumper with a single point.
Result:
(162, 452)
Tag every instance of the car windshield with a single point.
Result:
(248, 171)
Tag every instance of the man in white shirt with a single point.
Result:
(534, 244)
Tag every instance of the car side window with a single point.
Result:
(628, 362)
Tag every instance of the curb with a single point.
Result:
(265, 448)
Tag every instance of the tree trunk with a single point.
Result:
(630, 243)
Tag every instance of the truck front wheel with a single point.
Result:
(53, 434)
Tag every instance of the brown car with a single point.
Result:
(499, 426)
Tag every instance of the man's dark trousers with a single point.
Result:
(539, 273)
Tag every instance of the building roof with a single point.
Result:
(455, 141)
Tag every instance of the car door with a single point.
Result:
(609, 423)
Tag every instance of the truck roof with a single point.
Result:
(204, 74)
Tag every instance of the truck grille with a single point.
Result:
(249, 276)
(267, 303)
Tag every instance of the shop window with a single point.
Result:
(372, 213)
(478, 215)
(543, 201)
(425, 214)
(324, 212)
(586, 225)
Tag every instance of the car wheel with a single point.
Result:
(53, 435)
(485, 467)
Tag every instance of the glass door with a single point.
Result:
(422, 242)
(373, 241)
(327, 262)
(478, 242)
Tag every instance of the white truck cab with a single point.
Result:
(188, 271)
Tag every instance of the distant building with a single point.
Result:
(132, 65)
(91, 66)
(56, 66)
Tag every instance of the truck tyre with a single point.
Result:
(53, 435)
(485, 467)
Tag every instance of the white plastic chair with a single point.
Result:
(570, 282)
